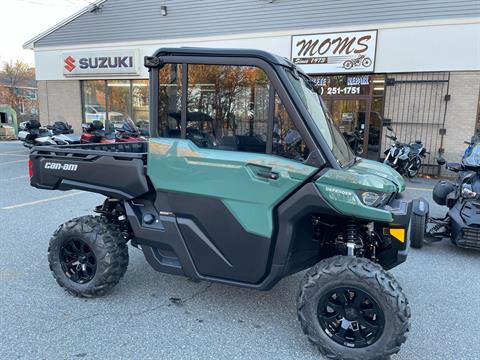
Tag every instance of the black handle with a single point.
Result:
(268, 175)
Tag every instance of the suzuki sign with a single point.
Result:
(118, 62)
(335, 52)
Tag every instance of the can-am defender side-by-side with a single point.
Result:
(261, 186)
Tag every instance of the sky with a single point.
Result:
(25, 19)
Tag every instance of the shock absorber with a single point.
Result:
(351, 237)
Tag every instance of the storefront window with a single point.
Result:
(356, 104)
(343, 84)
(116, 100)
(119, 98)
(94, 101)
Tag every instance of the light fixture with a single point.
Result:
(163, 10)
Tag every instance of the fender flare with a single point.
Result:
(420, 207)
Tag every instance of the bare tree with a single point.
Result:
(15, 72)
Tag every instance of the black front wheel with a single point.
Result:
(88, 256)
(413, 167)
(351, 308)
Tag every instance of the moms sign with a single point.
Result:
(345, 52)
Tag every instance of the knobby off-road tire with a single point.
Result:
(98, 238)
(366, 276)
(417, 231)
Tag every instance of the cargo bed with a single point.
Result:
(115, 170)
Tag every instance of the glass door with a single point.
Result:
(352, 118)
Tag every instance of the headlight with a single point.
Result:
(374, 199)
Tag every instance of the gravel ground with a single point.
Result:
(38, 320)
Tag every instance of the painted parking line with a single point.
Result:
(12, 154)
(16, 206)
(16, 152)
(419, 189)
(15, 178)
(13, 162)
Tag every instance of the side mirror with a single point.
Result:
(455, 167)
(441, 161)
(389, 128)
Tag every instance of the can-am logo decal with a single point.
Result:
(100, 63)
(58, 166)
(335, 52)
(69, 63)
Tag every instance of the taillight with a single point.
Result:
(30, 168)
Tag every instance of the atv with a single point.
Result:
(245, 208)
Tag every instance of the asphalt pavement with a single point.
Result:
(150, 315)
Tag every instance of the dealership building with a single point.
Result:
(414, 64)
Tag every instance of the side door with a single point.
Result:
(227, 154)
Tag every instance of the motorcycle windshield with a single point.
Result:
(129, 126)
(473, 159)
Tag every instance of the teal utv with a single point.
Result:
(244, 181)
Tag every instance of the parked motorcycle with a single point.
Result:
(355, 140)
(31, 133)
(63, 133)
(128, 132)
(94, 132)
(462, 222)
(405, 158)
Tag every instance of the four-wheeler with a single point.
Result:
(462, 222)
(405, 158)
(227, 212)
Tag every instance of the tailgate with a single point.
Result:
(118, 175)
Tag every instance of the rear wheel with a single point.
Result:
(88, 256)
(351, 308)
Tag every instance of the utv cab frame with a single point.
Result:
(245, 216)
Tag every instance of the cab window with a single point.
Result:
(287, 141)
(227, 108)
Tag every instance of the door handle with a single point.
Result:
(268, 175)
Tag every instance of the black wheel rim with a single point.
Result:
(350, 317)
(414, 167)
(78, 261)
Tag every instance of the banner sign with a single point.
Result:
(117, 62)
(346, 52)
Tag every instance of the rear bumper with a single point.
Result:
(395, 235)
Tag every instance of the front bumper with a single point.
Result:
(395, 236)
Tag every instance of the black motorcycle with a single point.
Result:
(32, 133)
(59, 133)
(405, 158)
(355, 140)
(62, 133)
(462, 197)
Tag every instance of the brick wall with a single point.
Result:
(60, 99)
(461, 112)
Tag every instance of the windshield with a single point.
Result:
(315, 106)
